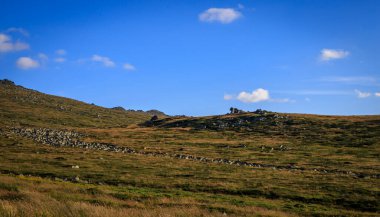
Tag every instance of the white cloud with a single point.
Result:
(7, 45)
(331, 54)
(27, 63)
(59, 60)
(4, 38)
(361, 94)
(105, 60)
(256, 96)
(222, 15)
(61, 52)
(377, 94)
(129, 67)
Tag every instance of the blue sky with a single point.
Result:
(198, 57)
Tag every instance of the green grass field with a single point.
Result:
(313, 165)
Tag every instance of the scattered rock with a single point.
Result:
(154, 118)
(59, 138)
(261, 112)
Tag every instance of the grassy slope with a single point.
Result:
(21, 106)
(125, 184)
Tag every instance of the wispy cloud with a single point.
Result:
(61, 52)
(8, 45)
(315, 92)
(43, 56)
(377, 94)
(332, 54)
(27, 63)
(284, 100)
(59, 60)
(228, 97)
(107, 62)
(361, 94)
(18, 30)
(241, 6)
(358, 93)
(221, 15)
(350, 79)
(129, 67)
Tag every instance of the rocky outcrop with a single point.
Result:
(236, 111)
(7, 82)
(261, 112)
(245, 122)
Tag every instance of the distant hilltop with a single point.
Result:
(152, 112)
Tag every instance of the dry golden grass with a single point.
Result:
(36, 201)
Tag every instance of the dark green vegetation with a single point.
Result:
(318, 165)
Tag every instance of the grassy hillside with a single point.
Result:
(249, 164)
(24, 106)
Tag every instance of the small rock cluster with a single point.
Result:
(271, 149)
(236, 111)
(261, 112)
